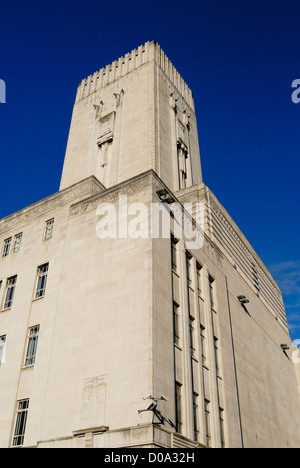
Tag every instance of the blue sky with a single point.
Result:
(239, 57)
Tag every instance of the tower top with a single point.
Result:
(134, 115)
(133, 60)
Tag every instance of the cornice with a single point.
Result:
(56, 200)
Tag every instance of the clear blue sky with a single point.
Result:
(238, 56)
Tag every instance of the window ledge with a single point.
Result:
(177, 346)
(94, 430)
(175, 273)
(38, 298)
(24, 368)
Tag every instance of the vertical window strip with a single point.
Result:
(199, 278)
(207, 423)
(10, 292)
(203, 343)
(221, 413)
(174, 254)
(32, 345)
(2, 349)
(17, 242)
(176, 324)
(49, 225)
(21, 419)
(196, 416)
(178, 388)
(192, 337)
(189, 269)
(217, 359)
(6, 247)
(212, 293)
(182, 156)
(42, 276)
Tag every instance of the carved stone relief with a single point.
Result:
(93, 402)
(107, 127)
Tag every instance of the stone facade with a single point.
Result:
(124, 316)
(129, 118)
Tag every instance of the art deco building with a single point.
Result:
(99, 310)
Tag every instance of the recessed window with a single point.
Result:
(12, 245)
(189, 269)
(17, 242)
(182, 156)
(192, 337)
(32, 341)
(203, 343)
(212, 292)
(217, 358)
(21, 420)
(222, 428)
(42, 276)
(10, 292)
(49, 225)
(178, 389)
(196, 415)
(176, 323)
(199, 277)
(174, 254)
(6, 247)
(207, 423)
(2, 349)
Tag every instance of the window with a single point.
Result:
(2, 349)
(199, 278)
(8, 244)
(49, 229)
(211, 290)
(221, 413)
(21, 419)
(32, 341)
(10, 292)
(195, 416)
(207, 423)
(178, 388)
(41, 281)
(217, 356)
(192, 337)
(6, 247)
(182, 156)
(203, 343)
(176, 323)
(17, 242)
(189, 269)
(174, 254)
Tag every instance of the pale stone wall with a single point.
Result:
(266, 379)
(124, 123)
(106, 322)
(94, 360)
(106, 335)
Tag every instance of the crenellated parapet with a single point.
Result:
(146, 53)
